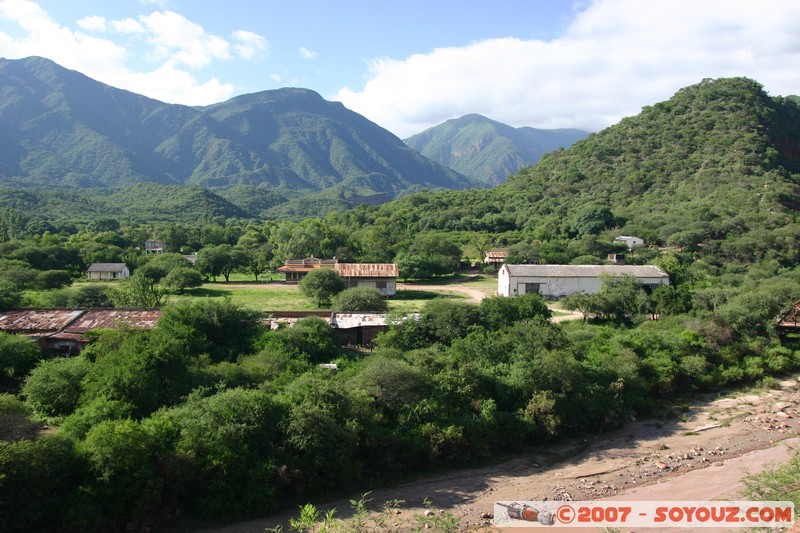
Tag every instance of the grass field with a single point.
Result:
(280, 297)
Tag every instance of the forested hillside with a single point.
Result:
(63, 130)
(714, 167)
(487, 150)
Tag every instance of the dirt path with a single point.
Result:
(702, 453)
(473, 294)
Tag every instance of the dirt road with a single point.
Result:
(702, 453)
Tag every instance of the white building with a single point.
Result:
(108, 271)
(630, 242)
(555, 281)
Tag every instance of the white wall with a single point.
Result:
(556, 287)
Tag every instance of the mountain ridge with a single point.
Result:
(488, 150)
(65, 130)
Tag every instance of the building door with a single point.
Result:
(532, 288)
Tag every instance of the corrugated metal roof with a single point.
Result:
(367, 270)
(357, 320)
(585, 271)
(32, 320)
(112, 318)
(106, 267)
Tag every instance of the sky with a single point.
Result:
(411, 65)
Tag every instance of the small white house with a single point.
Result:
(108, 271)
(630, 242)
(555, 281)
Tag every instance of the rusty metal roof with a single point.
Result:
(113, 318)
(367, 270)
(585, 271)
(37, 320)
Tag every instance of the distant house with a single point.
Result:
(153, 247)
(296, 269)
(630, 242)
(108, 271)
(495, 258)
(380, 276)
(555, 281)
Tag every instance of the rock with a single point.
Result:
(780, 406)
(487, 516)
(661, 465)
(428, 513)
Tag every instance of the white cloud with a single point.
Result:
(127, 25)
(615, 57)
(305, 53)
(175, 43)
(249, 45)
(179, 39)
(92, 23)
(44, 37)
(172, 84)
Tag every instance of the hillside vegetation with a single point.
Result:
(63, 130)
(487, 150)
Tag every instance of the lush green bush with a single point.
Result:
(53, 388)
(360, 299)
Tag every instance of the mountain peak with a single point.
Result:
(62, 129)
(487, 150)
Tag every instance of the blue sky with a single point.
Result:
(414, 64)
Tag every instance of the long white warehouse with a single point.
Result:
(555, 281)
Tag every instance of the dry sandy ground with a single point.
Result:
(700, 454)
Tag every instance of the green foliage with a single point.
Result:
(227, 447)
(146, 370)
(321, 284)
(141, 290)
(15, 422)
(503, 149)
(53, 388)
(776, 483)
(18, 355)
(310, 336)
(360, 299)
(181, 278)
(499, 311)
(219, 329)
(39, 480)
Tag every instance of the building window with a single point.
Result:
(532, 288)
(380, 285)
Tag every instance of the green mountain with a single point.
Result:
(719, 159)
(487, 150)
(61, 129)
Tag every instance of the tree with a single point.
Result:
(52, 279)
(500, 311)
(524, 253)
(360, 299)
(182, 278)
(18, 355)
(581, 302)
(321, 284)
(220, 329)
(139, 290)
(591, 219)
(621, 297)
(54, 386)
